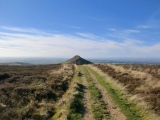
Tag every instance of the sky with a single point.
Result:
(89, 28)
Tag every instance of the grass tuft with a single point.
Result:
(76, 105)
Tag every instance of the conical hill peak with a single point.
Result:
(77, 60)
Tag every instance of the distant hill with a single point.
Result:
(77, 60)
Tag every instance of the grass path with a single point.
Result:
(115, 112)
(131, 110)
(91, 96)
(98, 106)
(86, 100)
(66, 109)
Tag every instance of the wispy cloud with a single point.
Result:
(89, 36)
(20, 29)
(152, 22)
(74, 27)
(131, 31)
(58, 45)
(145, 26)
(112, 29)
(122, 34)
(24, 30)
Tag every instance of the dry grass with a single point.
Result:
(30, 92)
(63, 105)
(141, 86)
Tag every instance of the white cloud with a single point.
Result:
(122, 34)
(74, 27)
(25, 30)
(20, 29)
(89, 36)
(145, 26)
(131, 31)
(112, 29)
(67, 45)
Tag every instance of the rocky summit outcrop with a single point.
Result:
(77, 60)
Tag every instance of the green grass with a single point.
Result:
(73, 108)
(76, 108)
(98, 107)
(130, 109)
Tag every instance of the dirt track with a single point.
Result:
(115, 113)
(86, 100)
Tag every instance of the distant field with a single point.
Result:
(36, 61)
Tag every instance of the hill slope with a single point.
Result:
(77, 60)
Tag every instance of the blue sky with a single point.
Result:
(90, 28)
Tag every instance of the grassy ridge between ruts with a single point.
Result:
(76, 106)
(71, 106)
(99, 107)
(129, 108)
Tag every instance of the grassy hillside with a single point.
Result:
(80, 92)
(30, 92)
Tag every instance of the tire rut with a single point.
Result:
(115, 113)
(63, 103)
(86, 100)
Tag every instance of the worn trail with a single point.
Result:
(115, 113)
(86, 100)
